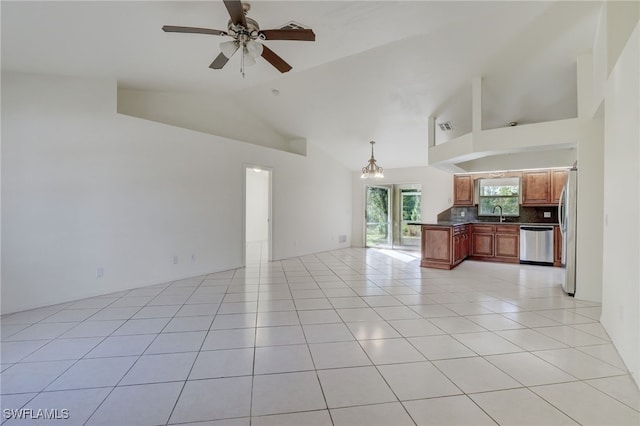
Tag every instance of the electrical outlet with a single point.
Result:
(547, 214)
(462, 213)
(99, 272)
(175, 260)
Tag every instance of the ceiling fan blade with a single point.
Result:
(234, 7)
(174, 29)
(219, 62)
(299, 34)
(275, 60)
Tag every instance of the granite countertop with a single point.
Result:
(451, 223)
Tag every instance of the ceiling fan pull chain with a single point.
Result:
(242, 58)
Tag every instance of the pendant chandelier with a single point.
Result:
(372, 170)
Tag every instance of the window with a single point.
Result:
(410, 199)
(504, 192)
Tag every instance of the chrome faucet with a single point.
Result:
(494, 210)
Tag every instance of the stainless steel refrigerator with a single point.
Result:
(567, 213)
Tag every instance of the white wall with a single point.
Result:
(621, 242)
(257, 205)
(205, 113)
(589, 224)
(437, 190)
(84, 187)
(589, 227)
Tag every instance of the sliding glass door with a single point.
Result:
(378, 216)
(389, 211)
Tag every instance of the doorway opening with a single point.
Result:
(257, 215)
(389, 212)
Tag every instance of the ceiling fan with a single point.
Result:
(245, 32)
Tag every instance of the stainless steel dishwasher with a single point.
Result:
(536, 244)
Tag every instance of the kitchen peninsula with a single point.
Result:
(445, 245)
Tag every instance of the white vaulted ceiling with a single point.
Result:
(376, 71)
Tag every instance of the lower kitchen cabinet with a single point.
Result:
(508, 247)
(482, 245)
(444, 247)
(436, 246)
(482, 240)
(496, 243)
(460, 243)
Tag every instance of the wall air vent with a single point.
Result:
(446, 126)
(293, 26)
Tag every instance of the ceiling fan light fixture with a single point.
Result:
(248, 59)
(254, 49)
(372, 170)
(228, 48)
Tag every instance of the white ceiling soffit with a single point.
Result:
(377, 70)
(561, 157)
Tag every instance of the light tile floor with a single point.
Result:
(347, 337)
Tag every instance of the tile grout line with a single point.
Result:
(352, 284)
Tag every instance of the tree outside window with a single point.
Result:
(504, 192)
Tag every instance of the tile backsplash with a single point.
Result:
(527, 215)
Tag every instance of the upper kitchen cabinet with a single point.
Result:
(540, 187)
(543, 187)
(558, 180)
(536, 188)
(462, 190)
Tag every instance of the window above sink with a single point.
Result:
(502, 192)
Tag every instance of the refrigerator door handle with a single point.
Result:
(563, 194)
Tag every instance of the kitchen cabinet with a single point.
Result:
(536, 188)
(557, 246)
(444, 247)
(498, 243)
(462, 190)
(460, 243)
(543, 187)
(558, 180)
(482, 240)
(507, 242)
(436, 247)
